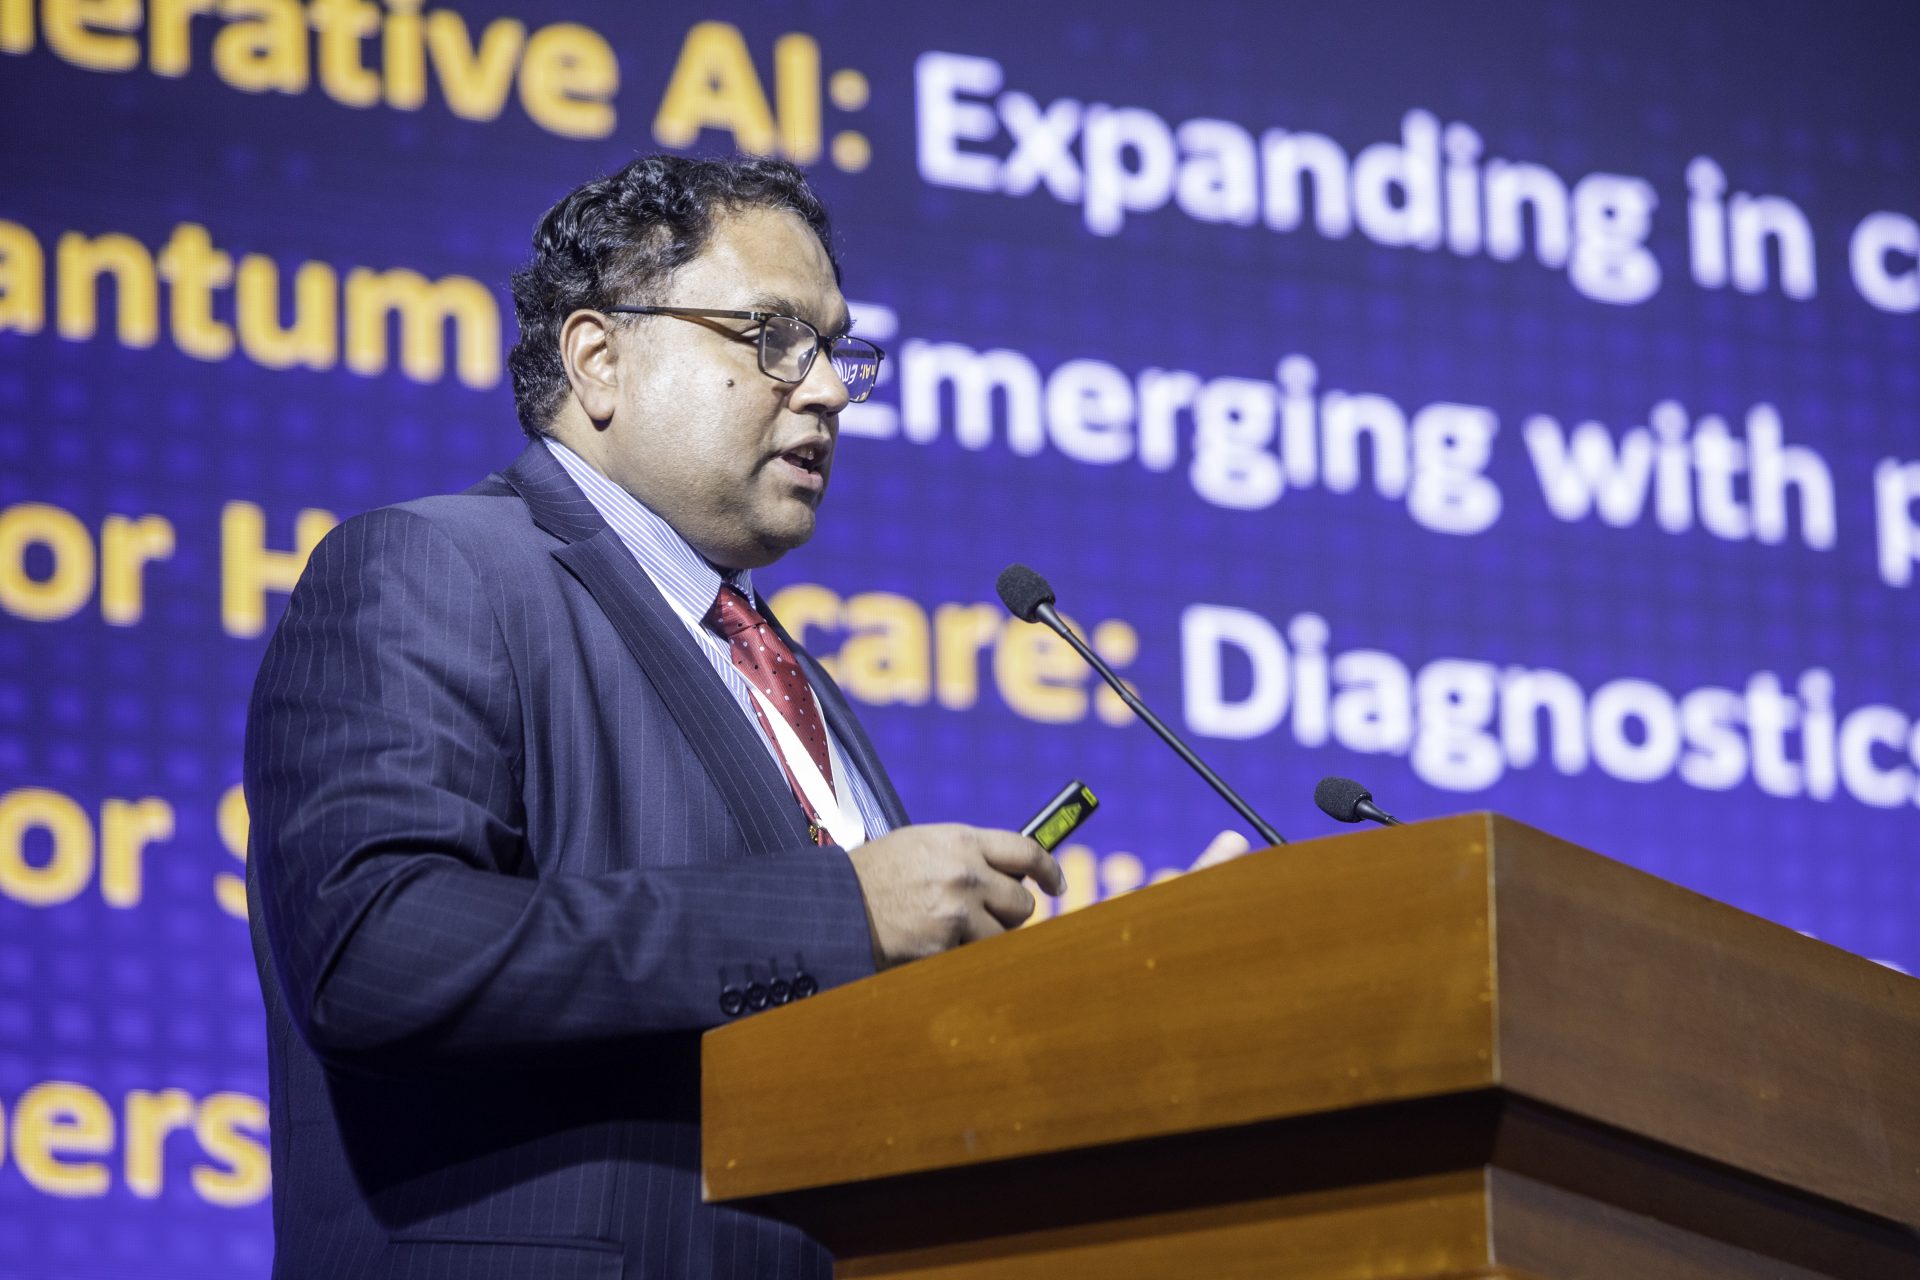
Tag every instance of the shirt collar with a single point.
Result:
(682, 574)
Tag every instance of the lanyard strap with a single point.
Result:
(832, 804)
(838, 811)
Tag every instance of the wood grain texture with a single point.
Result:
(1636, 1003)
(1290, 982)
(1648, 1189)
(1426, 1227)
(1391, 1142)
(1155, 1085)
(1542, 1230)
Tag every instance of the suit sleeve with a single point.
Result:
(407, 925)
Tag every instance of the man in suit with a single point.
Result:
(540, 791)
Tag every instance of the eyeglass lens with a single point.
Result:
(788, 346)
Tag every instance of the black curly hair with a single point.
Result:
(617, 239)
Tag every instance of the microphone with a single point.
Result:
(1345, 800)
(1029, 598)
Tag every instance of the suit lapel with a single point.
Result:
(721, 738)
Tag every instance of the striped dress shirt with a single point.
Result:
(690, 585)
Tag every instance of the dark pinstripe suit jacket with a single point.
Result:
(511, 835)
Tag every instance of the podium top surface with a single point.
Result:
(1457, 955)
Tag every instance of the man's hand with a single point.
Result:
(931, 888)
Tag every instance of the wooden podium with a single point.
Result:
(1460, 1048)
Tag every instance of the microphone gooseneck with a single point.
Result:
(1029, 598)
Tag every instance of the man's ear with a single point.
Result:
(592, 363)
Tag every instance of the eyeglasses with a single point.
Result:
(789, 344)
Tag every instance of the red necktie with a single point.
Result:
(768, 665)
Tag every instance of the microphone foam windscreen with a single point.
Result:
(1023, 591)
(1339, 798)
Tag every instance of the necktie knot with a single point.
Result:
(731, 614)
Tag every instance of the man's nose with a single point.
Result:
(822, 390)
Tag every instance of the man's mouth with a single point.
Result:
(808, 459)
